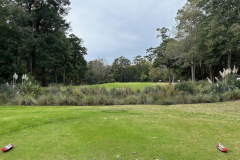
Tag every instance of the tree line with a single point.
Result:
(35, 38)
(205, 40)
(140, 69)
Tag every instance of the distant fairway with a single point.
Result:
(142, 132)
(133, 85)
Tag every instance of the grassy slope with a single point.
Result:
(114, 132)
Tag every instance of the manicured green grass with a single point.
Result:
(133, 85)
(121, 132)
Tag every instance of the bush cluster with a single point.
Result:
(181, 93)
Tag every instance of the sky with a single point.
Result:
(115, 28)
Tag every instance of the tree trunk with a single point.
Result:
(169, 75)
(192, 73)
(31, 70)
(69, 80)
(193, 68)
(43, 77)
(64, 73)
(211, 75)
(229, 59)
(173, 78)
(239, 12)
(137, 75)
(55, 74)
(33, 63)
(121, 76)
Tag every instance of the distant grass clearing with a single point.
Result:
(133, 85)
(121, 132)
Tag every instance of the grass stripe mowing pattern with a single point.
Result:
(116, 132)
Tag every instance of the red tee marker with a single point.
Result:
(7, 147)
(221, 147)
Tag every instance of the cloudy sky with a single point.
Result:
(114, 28)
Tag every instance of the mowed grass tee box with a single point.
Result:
(121, 132)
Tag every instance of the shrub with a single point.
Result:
(129, 91)
(90, 100)
(201, 98)
(217, 88)
(103, 90)
(70, 100)
(48, 100)
(182, 93)
(167, 101)
(202, 83)
(30, 86)
(85, 90)
(70, 90)
(159, 88)
(117, 93)
(110, 101)
(10, 91)
(148, 89)
(149, 100)
(155, 96)
(231, 95)
(102, 100)
(25, 100)
(131, 99)
(54, 89)
(187, 87)
(181, 98)
(3, 98)
(88, 90)
(142, 99)
(119, 101)
(203, 87)
(66, 100)
(229, 83)
(79, 95)
(216, 98)
(138, 90)
(170, 91)
(81, 102)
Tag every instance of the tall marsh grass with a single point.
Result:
(182, 93)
